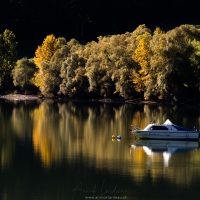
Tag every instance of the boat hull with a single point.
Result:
(178, 135)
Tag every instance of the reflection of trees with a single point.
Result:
(74, 131)
(21, 121)
(47, 139)
(159, 114)
(69, 131)
(179, 169)
(15, 123)
(6, 148)
(7, 140)
(144, 163)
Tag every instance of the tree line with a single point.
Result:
(145, 64)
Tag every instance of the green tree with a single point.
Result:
(8, 58)
(171, 69)
(122, 66)
(92, 66)
(108, 67)
(23, 73)
(195, 64)
(72, 72)
(53, 69)
(158, 62)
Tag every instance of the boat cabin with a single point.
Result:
(156, 127)
(165, 127)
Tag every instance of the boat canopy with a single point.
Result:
(179, 128)
(168, 122)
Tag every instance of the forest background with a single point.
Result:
(109, 54)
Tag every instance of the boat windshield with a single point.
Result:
(156, 127)
(159, 128)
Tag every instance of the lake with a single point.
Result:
(63, 150)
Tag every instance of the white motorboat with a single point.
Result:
(167, 130)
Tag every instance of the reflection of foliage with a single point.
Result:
(15, 123)
(6, 149)
(6, 138)
(83, 130)
(46, 137)
(71, 126)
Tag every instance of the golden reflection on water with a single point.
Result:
(64, 134)
(92, 139)
(67, 132)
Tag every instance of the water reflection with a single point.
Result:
(72, 129)
(77, 137)
(60, 130)
(166, 148)
(172, 160)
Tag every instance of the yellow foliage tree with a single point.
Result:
(43, 54)
(158, 31)
(142, 57)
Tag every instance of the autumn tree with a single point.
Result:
(158, 31)
(142, 56)
(44, 77)
(160, 65)
(8, 58)
(133, 38)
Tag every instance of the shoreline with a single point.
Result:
(18, 97)
(23, 97)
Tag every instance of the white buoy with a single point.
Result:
(119, 137)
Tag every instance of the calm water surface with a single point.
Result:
(52, 150)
